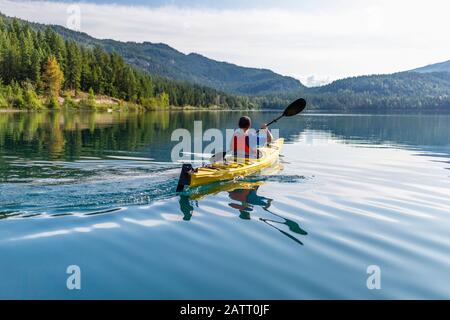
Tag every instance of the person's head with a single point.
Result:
(245, 123)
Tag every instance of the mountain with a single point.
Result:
(165, 61)
(397, 84)
(436, 67)
(38, 67)
(402, 92)
(399, 91)
(410, 90)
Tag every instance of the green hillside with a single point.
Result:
(399, 91)
(160, 59)
(37, 63)
(405, 91)
(143, 74)
(437, 67)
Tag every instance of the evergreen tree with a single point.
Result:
(35, 68)
(31, 99)
(73, 67)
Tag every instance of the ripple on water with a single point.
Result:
(308, 231)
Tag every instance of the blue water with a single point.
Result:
(97, 191)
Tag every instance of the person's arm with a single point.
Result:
(269, 134)
(232, 144)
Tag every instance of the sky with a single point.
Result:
(316, 41)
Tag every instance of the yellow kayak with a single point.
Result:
(230, 170)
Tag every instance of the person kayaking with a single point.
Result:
(245, 141)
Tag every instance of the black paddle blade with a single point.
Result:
(295, 108)
(185, 177)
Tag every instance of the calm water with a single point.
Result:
(97, 191)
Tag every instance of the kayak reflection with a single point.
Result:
(245, 198)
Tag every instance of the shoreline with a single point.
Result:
(115, 109)
(13, 110)
(314, 112)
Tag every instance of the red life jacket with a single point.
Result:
(237, 147)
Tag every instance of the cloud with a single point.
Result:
(314, 81)
(349, 38)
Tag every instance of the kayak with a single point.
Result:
(230, 170)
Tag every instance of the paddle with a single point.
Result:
(293, 109)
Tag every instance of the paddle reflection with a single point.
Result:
(245, 200)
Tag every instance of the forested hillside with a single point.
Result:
(436, 67)
(37, 66)
(405, 91)
(49, 65)
(163, 60)
(399, 91)
(404, 83)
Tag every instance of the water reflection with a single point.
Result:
(244, 199)
(64, 162)
(375, 190)
(71, 136)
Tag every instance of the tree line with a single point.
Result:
(405, 91)
(39, 68)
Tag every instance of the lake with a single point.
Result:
(97, 190)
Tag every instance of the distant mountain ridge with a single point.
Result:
(163, 60)
(399, 92)
(405, 91)
(420, 89)
(396, 84)
(436, 67)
